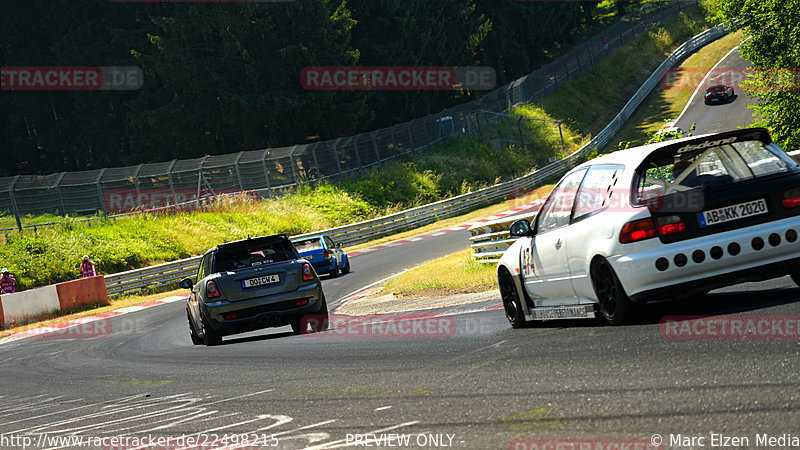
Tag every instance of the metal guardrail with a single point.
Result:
(490, 240)
(170, 273)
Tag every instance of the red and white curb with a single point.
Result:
(530, 205)
(60, 327)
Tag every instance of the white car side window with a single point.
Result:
(557, 210)
(595, 189)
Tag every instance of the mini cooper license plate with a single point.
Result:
(260, 281)
(733, 212)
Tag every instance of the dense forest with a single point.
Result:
(224, 77)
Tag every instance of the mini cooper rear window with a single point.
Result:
(252, 255)
(699, 167)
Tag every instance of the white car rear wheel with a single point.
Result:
(615, 305)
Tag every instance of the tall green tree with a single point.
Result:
(523, 32)
(415, 33)
(773, 47)
(226, 77)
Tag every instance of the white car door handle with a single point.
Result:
(558, 244)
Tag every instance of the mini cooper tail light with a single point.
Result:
(326, 254)
(308, 274)
(670, 225)
(211, 290)
(230, 316)
(791, 198)
(638, 230)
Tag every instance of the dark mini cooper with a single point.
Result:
(253, 284)
(718, 93)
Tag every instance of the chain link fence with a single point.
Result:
(275, 171)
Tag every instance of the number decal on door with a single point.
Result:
(526, 261)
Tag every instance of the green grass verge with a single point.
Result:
(451, 274)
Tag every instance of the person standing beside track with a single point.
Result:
(87, 267)
(8, 284)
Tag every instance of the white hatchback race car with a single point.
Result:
(660, 222)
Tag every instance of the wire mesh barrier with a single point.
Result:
(274, 171)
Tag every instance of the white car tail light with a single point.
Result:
(638, 230)
(791, 198)
(670, 225)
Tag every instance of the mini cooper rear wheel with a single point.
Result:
(193, 334)
(210, 336)
(318, 322)
(511, 301)
(614, 304)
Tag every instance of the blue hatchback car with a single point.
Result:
(323, 254)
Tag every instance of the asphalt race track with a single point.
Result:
(458, 380)
(721, 116)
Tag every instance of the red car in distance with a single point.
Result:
(718, 93)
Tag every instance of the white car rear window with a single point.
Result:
(666, 173)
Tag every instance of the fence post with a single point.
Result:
(294, 165)
(355, 148)
(100, 191)
(336, 156)
(136, 181)
(172, 185)
(316, 163)
(58, 193)
(14, 202)
(236, 167)
(266, 172)
(375, 146)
